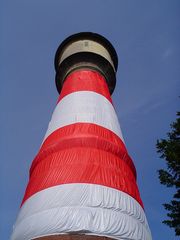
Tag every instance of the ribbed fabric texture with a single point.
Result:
(83, 180)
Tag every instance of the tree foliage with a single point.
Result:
(169, 150)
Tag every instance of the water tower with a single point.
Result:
(82, 182)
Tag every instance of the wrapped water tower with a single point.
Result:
(82, 182)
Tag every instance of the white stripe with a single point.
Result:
(86, 45)
(84, 106)
(84, 208)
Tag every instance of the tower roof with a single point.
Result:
(86, 50)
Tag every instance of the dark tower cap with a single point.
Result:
(86, 50)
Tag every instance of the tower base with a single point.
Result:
(73, 237)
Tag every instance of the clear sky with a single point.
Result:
(146, 36)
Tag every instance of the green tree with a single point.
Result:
(169, 150)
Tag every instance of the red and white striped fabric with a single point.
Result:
(83, 180)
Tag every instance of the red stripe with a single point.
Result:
(85, 80)
(83, 153)
(82, 165)
(84, 135)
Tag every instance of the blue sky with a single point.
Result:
(146, 36)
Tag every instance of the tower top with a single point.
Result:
(86, 50)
